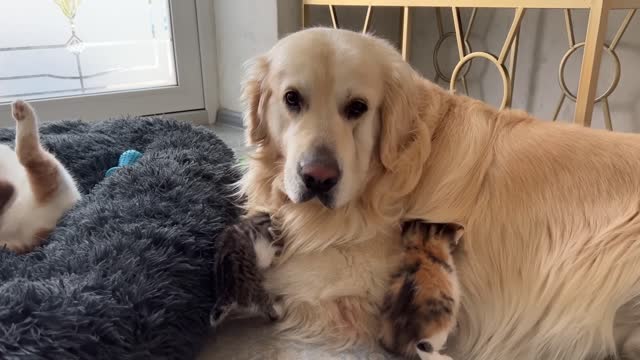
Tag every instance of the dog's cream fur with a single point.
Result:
(41, 188)
(550, 266)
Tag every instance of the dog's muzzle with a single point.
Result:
(320, 173)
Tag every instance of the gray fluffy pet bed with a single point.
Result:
(127, 273)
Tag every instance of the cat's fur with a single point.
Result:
(419, 310)
(35, 189)
(243, 251)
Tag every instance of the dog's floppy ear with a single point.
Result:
(254, 97)
(405, 140)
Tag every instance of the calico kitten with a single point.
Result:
(419, 310)
(243, 252)
(35, 189)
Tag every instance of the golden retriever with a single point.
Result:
(349, 141)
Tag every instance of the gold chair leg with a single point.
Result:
(305, 16)
(596, 31)
(458, 29)
(513, 61)
(406, 28)
(367, 19)
(607, 114)
(334, 17)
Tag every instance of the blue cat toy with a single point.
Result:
(128, 157)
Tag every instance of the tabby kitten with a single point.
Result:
(243, 251)
(419, 310)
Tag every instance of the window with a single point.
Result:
(94, 59)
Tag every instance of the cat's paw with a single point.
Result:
(426, 352)
(277, 241)
(276, 310)
(21, 110)
(266, 252)
(413, 233)
(219, 313)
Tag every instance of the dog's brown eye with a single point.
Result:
(293, 99)
(355, 109)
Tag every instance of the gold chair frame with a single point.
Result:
(594, 44)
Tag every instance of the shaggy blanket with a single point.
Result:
(127, 273)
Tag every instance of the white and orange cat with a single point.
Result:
(35, 189)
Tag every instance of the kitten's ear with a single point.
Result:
(6, 194)
(457, 233)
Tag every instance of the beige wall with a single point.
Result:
(244, 28)
(543, 44)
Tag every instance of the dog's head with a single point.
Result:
(339, 109)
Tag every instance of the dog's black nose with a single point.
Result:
(319, 170)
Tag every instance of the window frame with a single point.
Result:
(187, 97)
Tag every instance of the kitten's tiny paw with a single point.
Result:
(277, 311)
(278, 241)
(426, 352)
(424, 347)
(215, 318)
(218, 314)
(20, 110)
(412, 234)
(265, 253)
